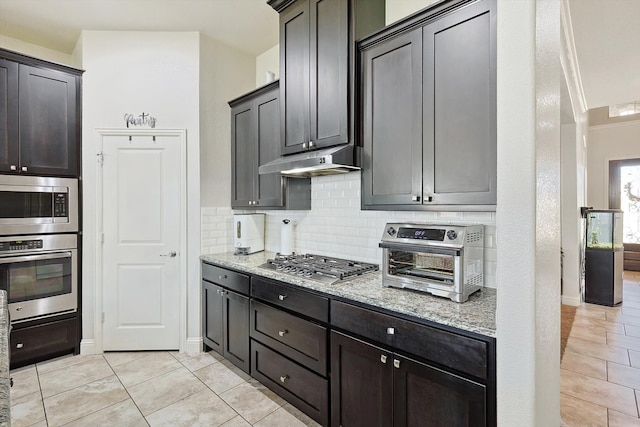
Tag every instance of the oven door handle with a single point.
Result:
(418, 248)
(25, 258)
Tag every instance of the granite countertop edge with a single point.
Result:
(5, 382)
(476, 315)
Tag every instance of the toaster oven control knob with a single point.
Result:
(451, 234)
(391, 231)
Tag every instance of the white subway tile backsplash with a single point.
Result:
(337, 226)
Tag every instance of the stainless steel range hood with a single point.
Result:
(327, 161)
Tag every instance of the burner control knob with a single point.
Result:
(391, 231)
(451, 234)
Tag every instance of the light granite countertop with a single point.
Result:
(5, 385)
(478, 314)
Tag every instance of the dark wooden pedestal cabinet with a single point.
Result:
(40, 109)
(225, 313)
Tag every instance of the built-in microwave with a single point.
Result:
(34, 205)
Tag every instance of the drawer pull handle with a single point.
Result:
(224, 276)
(282, 297)
(391, 331)
(19, 345)
(396, 363)
(283, 333)
(18, 308)
(383, 358)
(284, 378)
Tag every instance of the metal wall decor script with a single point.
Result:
(143, 119)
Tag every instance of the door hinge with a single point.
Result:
(103, 317)
(100, 156)
(102, 238)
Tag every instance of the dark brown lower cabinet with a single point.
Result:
(304, 389)
(374, 387)
(426, 396)
(361, 383)
(226, 323)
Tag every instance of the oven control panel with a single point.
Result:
(21, 245)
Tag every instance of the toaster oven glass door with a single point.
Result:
(421, 266)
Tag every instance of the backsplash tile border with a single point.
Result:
(336, 226)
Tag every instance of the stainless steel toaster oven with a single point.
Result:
(444, 260)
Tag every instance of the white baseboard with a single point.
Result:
(574, 301)
(88, 347)
(193, 345)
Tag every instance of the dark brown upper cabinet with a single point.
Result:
(40, 117)
(255, 140)
(428, 110)
(317, 69)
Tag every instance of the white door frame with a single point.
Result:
(181, 134)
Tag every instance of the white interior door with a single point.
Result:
(141, 268)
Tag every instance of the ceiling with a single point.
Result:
(606, 32)
(248, 25)
(607, 40)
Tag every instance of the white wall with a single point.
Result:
(527, 219)
(398, 9)
(267, 61)
(573, 157)
(134, 72)
(608, 142)
(226, 73)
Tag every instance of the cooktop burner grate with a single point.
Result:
(319, 267)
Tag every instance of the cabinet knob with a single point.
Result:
(391, 331)
(284, 378)
(14, 168)
(396, 363)
(222, 277)
(18, 308)
(415, 198)
(255, 202)
(304, 145)
(310, 144)
(383, 358)
(19, 345)
(428, 198)
(283, 333)
(282, 297)
(24, 168)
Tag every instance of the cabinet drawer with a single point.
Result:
(455, 351)
(300, 301)
(301, 340)
(302, 388)
(40, 342)
(227, 278)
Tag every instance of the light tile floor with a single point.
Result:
(600, 369)
(145, 389)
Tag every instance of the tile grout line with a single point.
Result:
(44, 408)
(126, 390)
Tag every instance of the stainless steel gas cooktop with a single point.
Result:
(318, 267)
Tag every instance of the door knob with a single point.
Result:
(171, 254)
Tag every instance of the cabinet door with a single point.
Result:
(460, 108)
(44, 341)
(8, 116)
(294, 77)
(236, 329)
(269, 186)
(361, 383)
(426, 396)
(48, 122)
(392, 121)
(212, 325)
(244, 155)
(328, 82)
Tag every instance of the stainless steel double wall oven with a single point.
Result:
(39, 245)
